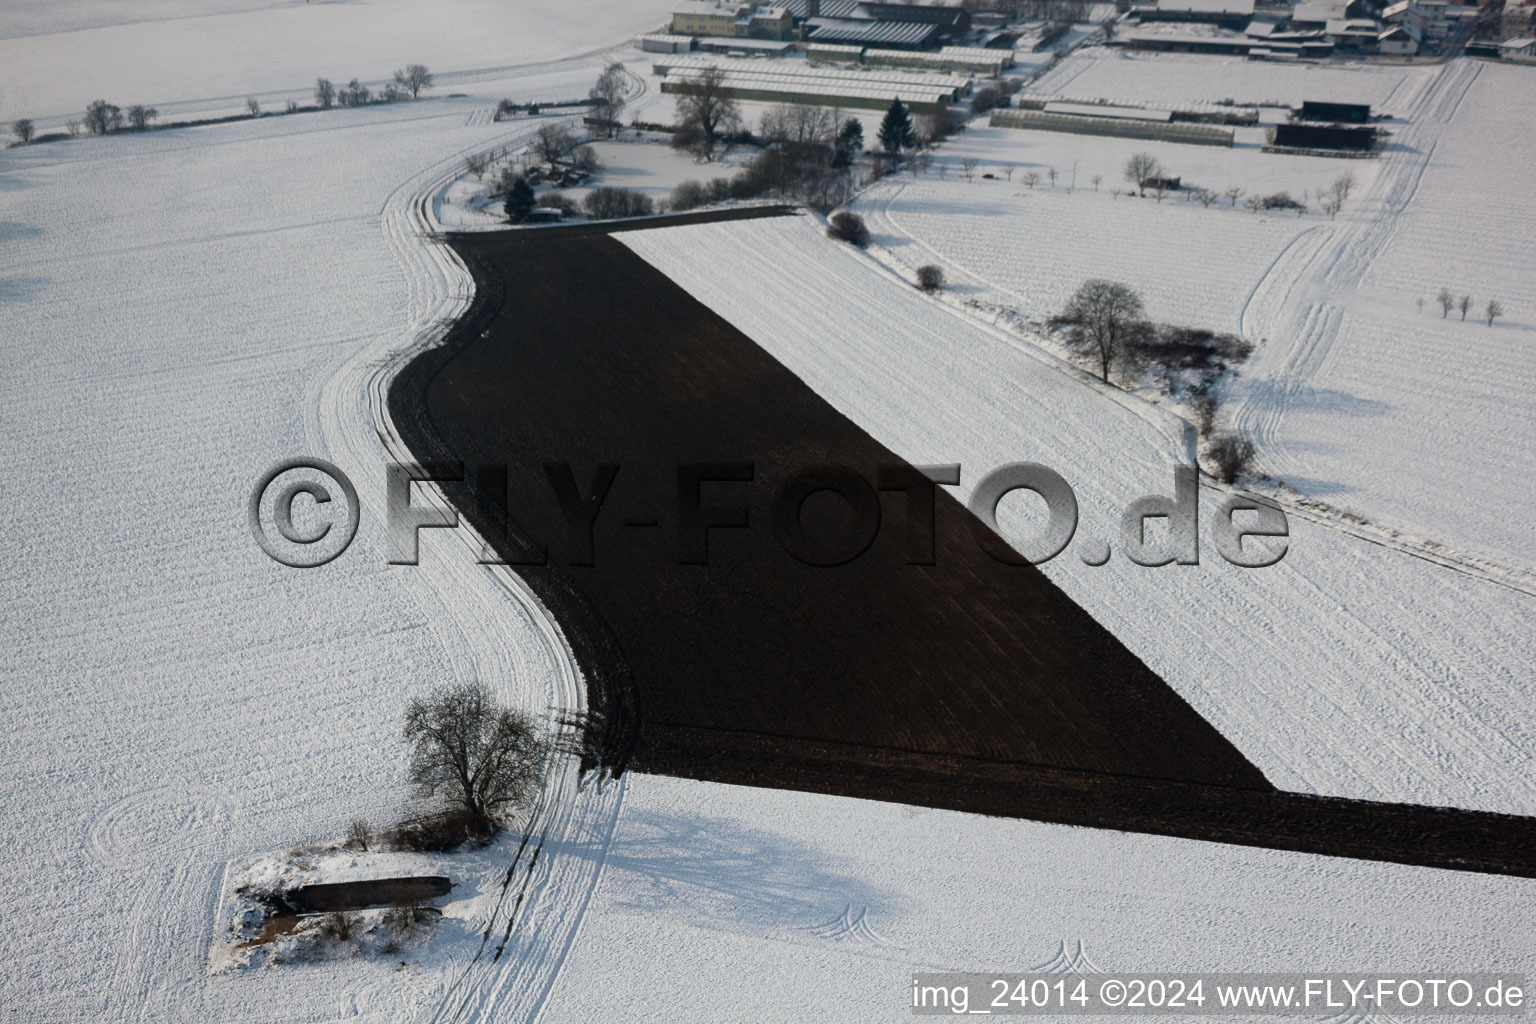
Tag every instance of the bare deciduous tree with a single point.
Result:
(102, 117)
(1493, 310)
(359, 835)
(139, 116)
(354, 94)
(609, 96)
(1206, 199)
(1097, 180)
(1142, 168)
(705, 111)
(930, 278)
(1051, 173)
(1102, 315)
(325, 93)
(1233, 194)
(1254, 203)
(1230, 455)
(253, 106)
(413, 78)
(1031, 178)
(968, 168)
(1205, 414)
(1464, 304)
(477, 164)
(1447, 302)
(484, 756)
(22, 128)
(553, 142)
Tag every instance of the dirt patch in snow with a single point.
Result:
(964, 684)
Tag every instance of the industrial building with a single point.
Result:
(731, 20)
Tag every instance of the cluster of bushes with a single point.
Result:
(775, 172)
(506, 108)
(1107, 328)
(609, 203)
(848, 227)
(1279, 201)
(1196, 347)
(1229, 456)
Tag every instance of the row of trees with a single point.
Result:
(408, 81)
(1491, 311)
(102, 117)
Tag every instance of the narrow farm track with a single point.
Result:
(569, 827)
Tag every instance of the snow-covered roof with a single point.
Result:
(1518, 44)
(1319, 12)
(1235, 8)
(854, 30)
(1393, 10)
(709, 8)
(1105, 110)
(1350, 27)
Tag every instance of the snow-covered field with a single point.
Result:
(57, 57)
(1368, 403)
(1101, 72)
(1348, 395)
(729, 904)
(1031, 247)
(184, 309)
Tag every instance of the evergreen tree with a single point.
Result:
(520, 201)
(896, 132)
(849, 141)
(852, 135)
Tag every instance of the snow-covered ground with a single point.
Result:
(184, 309)
(1368, 403)
(1347, 669)
(1027, 247)
(57, 57)
(729, 904)
(1348, 394)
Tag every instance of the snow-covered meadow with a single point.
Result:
(208, 55)
(1348, 394)
(184, 309)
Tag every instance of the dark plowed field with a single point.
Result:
(964, 683)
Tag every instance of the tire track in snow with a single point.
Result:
(527, 659)
(1307, 334)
